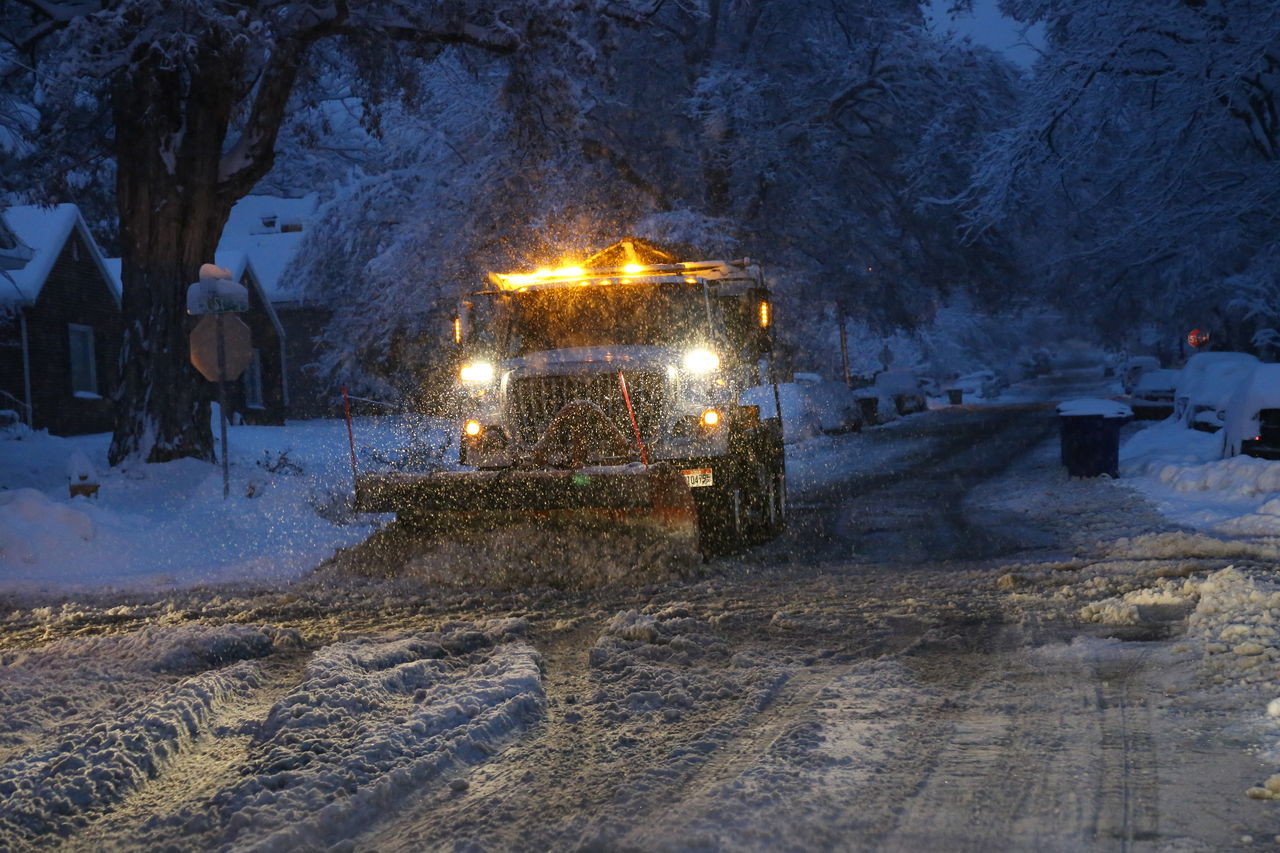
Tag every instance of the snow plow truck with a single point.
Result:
(632, 392)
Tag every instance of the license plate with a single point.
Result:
(696, 477)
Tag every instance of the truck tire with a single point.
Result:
(722, 520)
(770, 514)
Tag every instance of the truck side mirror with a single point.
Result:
(462, 322)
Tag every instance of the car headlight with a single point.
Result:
(701, 361)
(476, 371)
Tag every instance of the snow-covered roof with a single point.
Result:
(45, 231)
(13, 252)
(269, 229)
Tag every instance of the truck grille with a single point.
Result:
(535, 400)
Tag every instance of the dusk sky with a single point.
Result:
(989, 27)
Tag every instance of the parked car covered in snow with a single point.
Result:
(981, 383)
(1205, 384)
(833, 403)
(1253, 415)
(799, 421)
(1133, 368)
(903, 388)
(1152, 398)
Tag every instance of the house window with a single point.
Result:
(253, 382)
(84, 366)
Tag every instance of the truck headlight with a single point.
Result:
(477, 372)
(701, 361)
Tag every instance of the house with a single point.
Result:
(60, 322)
(269, 230)
(261, 394)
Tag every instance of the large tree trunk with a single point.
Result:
(170, 128)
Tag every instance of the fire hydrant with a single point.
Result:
(81, 478)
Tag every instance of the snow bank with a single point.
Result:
(799, 421)
(289, 506)
(35, 529)
(1180, 470)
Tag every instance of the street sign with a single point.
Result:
(236, 342)
(1197, 338)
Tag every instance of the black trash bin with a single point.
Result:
(1090, 431)
(867, 407)
(955, 396)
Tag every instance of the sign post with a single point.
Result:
(221, 345)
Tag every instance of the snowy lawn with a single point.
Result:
(168, 524)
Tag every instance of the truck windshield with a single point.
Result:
(601, 315)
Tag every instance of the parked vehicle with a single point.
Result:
(981, 383)
(1206, 384)
(832, 403)
(1133, 368)
(1253, 415)
(1152, 398)
(903, 388)
(799, 420)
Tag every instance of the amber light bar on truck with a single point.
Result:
(555, 278)
(628, 274)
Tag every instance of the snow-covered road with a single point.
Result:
(954, 647)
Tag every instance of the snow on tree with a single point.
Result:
(1143, 172)
(803, 135)
(185, 99)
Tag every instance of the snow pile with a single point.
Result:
(1135, 607)
(1239, 475)
(374, 721)
(1179, 545)
(1180, 470)
(799, 420)
(34, 528)
(1236, 621)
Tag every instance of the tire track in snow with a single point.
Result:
(47, 795)
(1129, 789)
(195, 776)
(1056, 757)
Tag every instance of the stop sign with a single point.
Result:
(237, 345)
